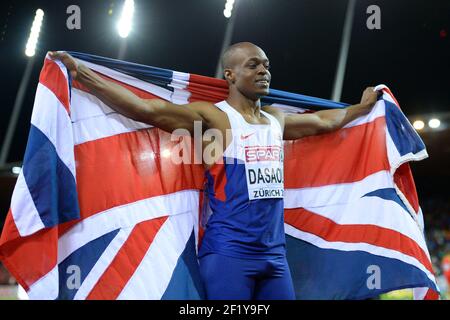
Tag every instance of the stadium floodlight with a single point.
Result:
(434, 123)
(124, 25)
(30, 49)
(16, 170)
(418, 124)
(228, 8)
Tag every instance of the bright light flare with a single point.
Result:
(125, 23)
(16, 170)
(30, 49)
(434, 123)
(228, 8)
(419, 125)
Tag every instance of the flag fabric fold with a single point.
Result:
(99, 210)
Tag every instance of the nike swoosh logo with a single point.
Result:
(246, 136)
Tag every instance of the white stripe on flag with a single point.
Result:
(26, 217)
(132, 81)
(50, 117)
(151, 278)
(377, 111)
(336, 193)
(46, 288)
(95, 120)
(345, 246)
(180, 81)
(102, 263)
(127, 215)
(366, 211)
(84, 106)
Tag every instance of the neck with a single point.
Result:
(243, 104)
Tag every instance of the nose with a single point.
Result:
(262, 70)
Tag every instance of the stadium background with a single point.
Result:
(410, 54)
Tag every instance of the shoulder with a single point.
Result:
(209, 112)
(201, 105)
(205, 108)
(276, 112)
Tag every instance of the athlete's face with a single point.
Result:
(250, 72)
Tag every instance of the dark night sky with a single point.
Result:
(301, 37)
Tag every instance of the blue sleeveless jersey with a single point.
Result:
(244, 192)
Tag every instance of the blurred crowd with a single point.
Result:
(5, 277)
(436, 212)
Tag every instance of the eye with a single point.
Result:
(267, 67)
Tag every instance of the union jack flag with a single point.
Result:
(100, 212)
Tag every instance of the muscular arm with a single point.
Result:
(156, 112)
(301, 125)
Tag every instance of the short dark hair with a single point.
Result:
(226, 57)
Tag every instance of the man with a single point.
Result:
(242, 255)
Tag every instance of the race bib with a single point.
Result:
(264, 172)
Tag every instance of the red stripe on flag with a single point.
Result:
(330, 231)
(388, 91)
(129, 167)
(28, 258)
(405, 182)
(124, 264)
(431, 295)
(201, 88)
(206, 89)
(339, 157)
(139, 92)
(54, 79)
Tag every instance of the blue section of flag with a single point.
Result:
(402, 133)
(50, 183)
(337, 274)
(157, 76)
(163, 77)
(300, 100)
(186, 282)
(74, 269)
(387, 194)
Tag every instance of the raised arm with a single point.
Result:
(156, 112)
(301, 125)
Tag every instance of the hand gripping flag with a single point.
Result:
(100, 211)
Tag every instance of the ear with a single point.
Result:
(229, 75)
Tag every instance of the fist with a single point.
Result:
(369, 97)
(70, 63)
